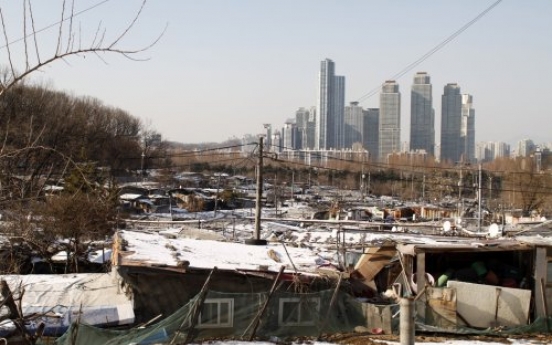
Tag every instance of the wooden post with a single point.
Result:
(198, 306)
(265, 305)
(539, 275)
(420, 283)
(407, 329)
(544, 303)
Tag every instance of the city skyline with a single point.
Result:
(223, 69)
(362, 129)
(339, 127)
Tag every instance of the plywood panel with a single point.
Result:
(378, 316)
(373, 261)
(441, 311)
(479, 304)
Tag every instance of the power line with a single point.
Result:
(54, 24)
(432, 50)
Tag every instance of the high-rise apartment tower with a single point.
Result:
(330, 107)
(457, 126)
(389, 120)
(422, 115)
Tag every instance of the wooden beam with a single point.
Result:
(420, 284)
(260, 314)
(541, 262)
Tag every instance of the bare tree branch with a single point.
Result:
(34, 32)
(97, 46)
(129, 27)
(70, 36)
(25, 44)
(60, 28)
(5, 31)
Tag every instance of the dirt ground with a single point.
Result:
(371, 339)
(354, 339)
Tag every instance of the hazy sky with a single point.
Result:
(225, 67)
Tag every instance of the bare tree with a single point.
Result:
(33, 53)
(22, 139)
(68, 42)
(35, 150)
(524, 186)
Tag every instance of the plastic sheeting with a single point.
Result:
(60, 300)
(233, 315)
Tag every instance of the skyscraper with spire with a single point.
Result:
(330, 107)
(422, 115)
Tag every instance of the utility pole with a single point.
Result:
(479, 199)
(368, 181)
(423, 190)
(460, 185)
(412, 186)
(216, 196)
(292, 184)
(362, 178)
(490, 191)
(258, 207)
(142, 163)
(275, 189)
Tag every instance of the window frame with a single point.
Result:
(218, 324)
(298, 301)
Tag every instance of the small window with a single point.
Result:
(217, 312)
(296, 311)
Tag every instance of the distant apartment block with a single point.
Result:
(353, 125)
(525, 147)
(317, 157)
(491, 150)
(305, 119)
(370, 132)
(290, 136)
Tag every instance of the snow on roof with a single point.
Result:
(130, 196)
(536, 240)
(99, 256)
(60, 298)
(156, 249)
(88, 289)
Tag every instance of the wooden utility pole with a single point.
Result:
(258, 204)
(259, 198)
